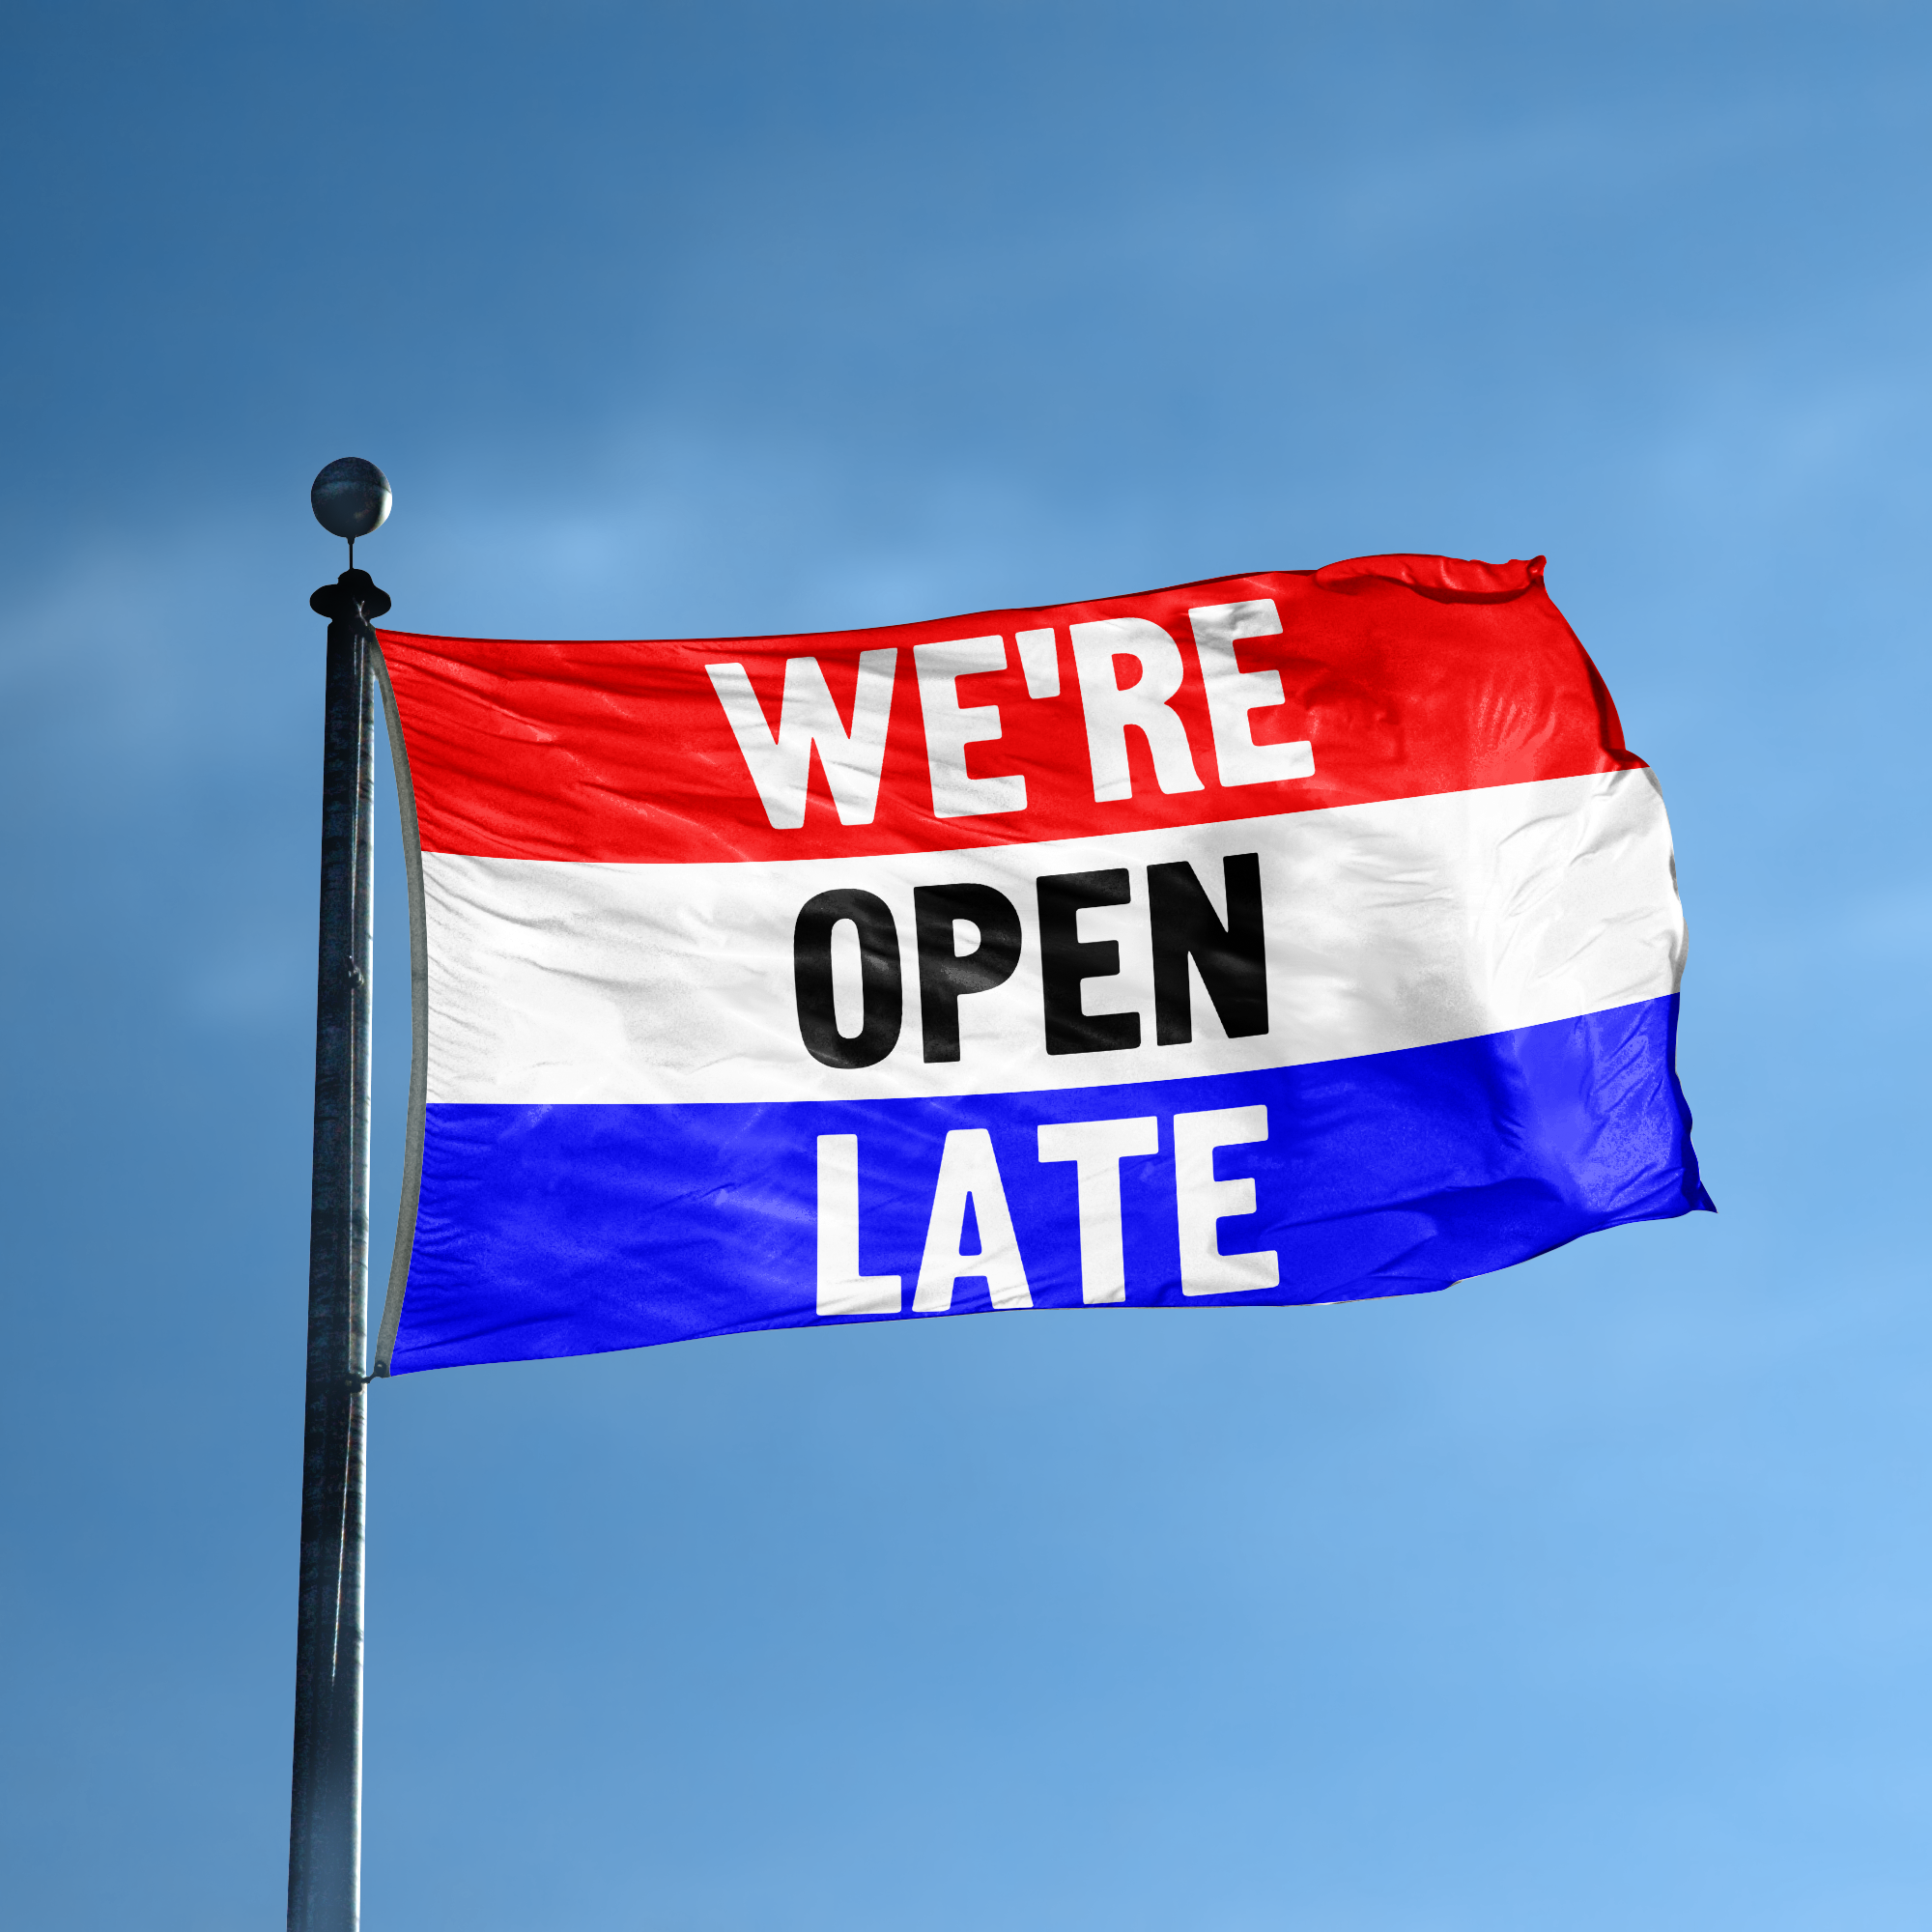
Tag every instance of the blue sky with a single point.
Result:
(1595, 1593)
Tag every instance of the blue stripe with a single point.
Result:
(575, 1230)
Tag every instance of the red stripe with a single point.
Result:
(1408, 675)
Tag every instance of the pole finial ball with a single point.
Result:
(351, 498)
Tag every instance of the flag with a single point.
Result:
(1298, 937)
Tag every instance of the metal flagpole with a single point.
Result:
(350, 498)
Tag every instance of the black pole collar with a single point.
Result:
(354, 594)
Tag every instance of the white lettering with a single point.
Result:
(1203, 1202)
(1144, 705)
(780, 767)
(968, 1172)
(950, 726)
(1232, 694)
(1039, 659)
(841, 1288)
(1097, 1148)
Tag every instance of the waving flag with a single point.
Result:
(1297, 937)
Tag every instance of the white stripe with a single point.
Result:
(1389, 925)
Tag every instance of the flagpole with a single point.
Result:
(350, 498)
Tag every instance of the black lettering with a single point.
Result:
(1066, 959)
(879, 979)
(1232, 959)
(945, 975)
